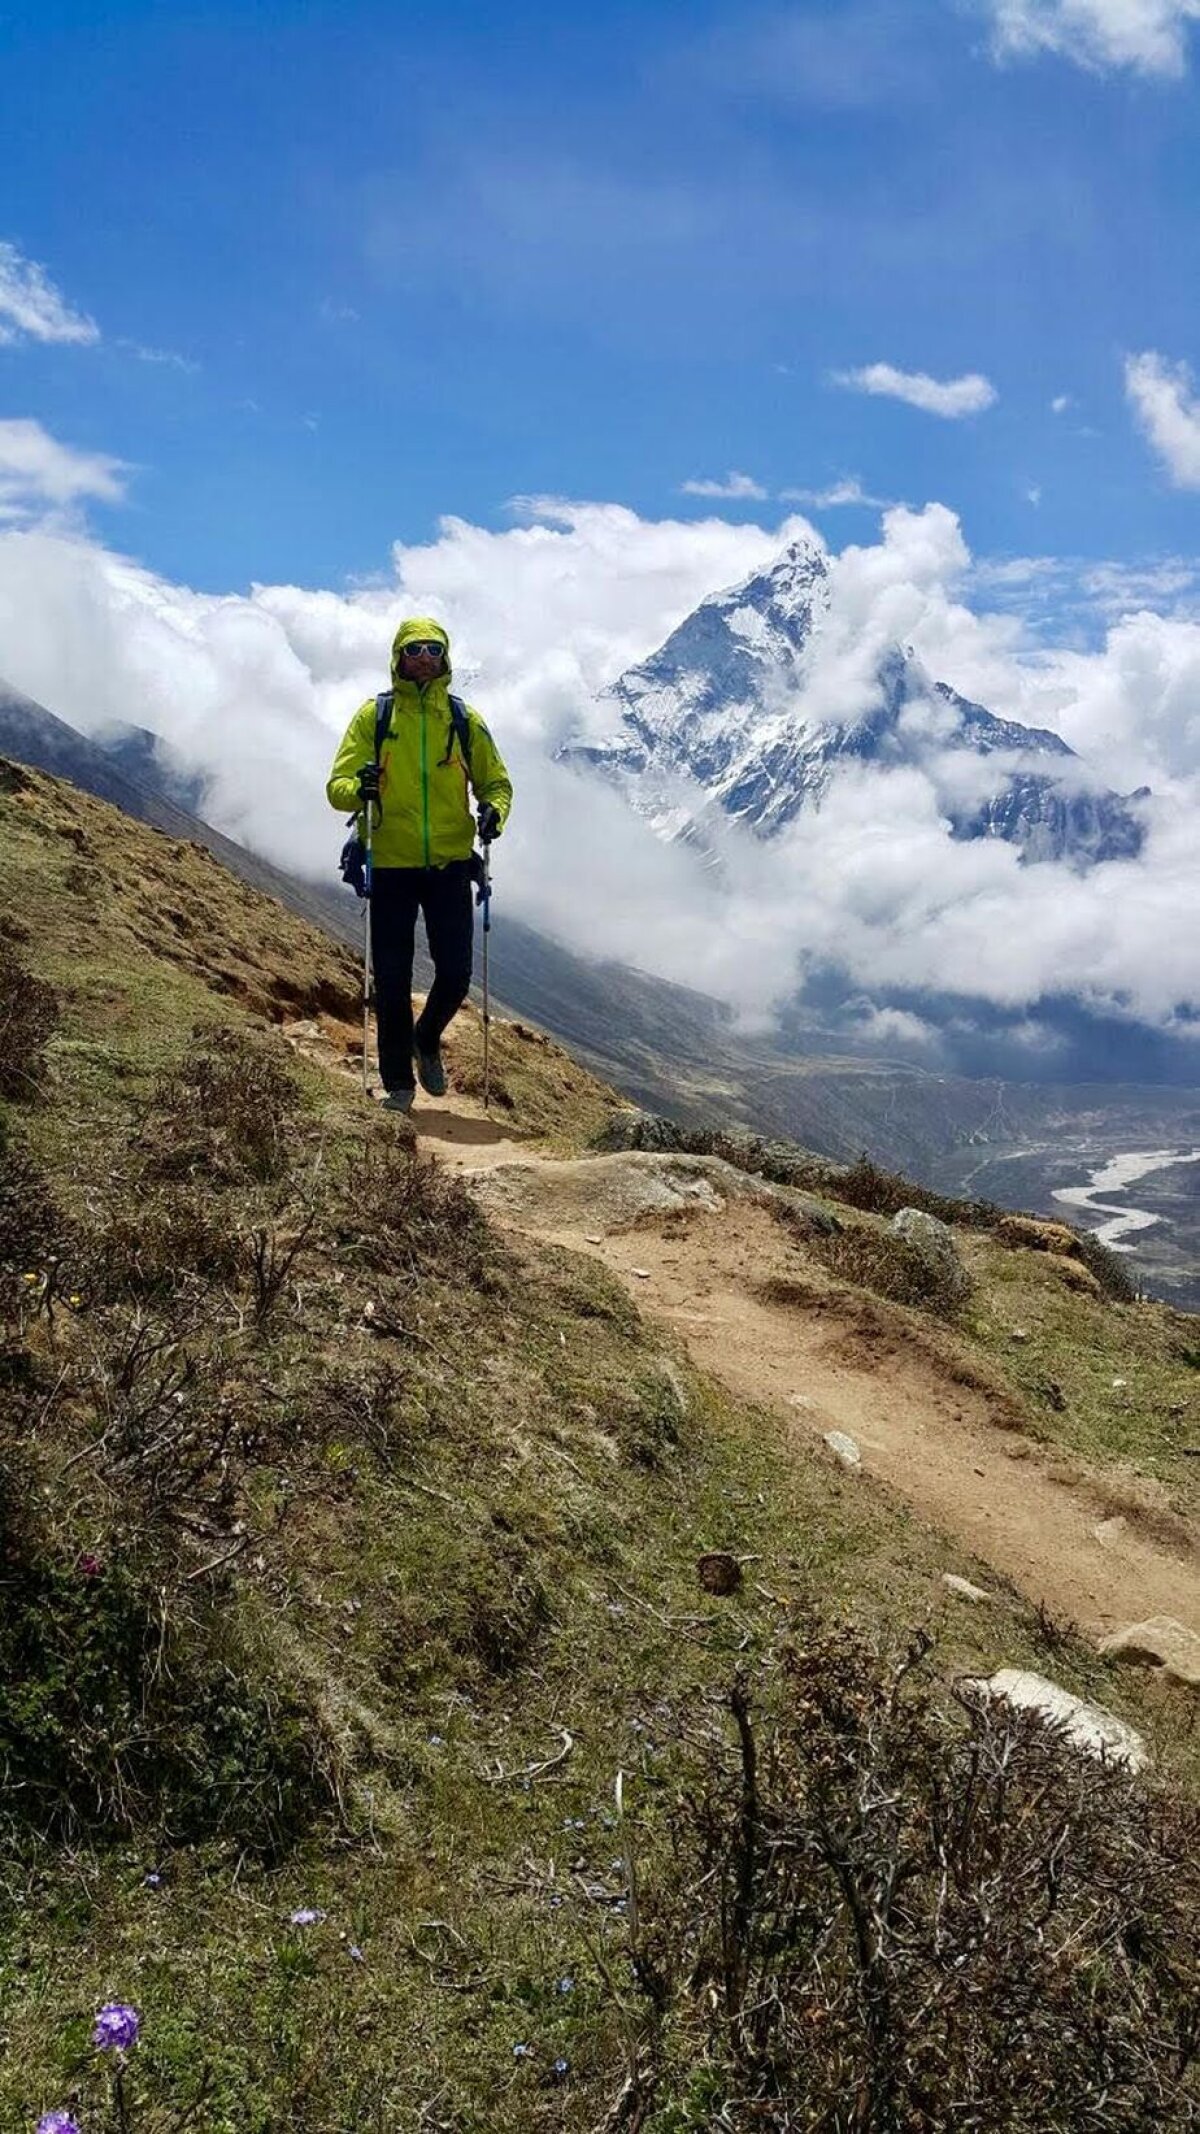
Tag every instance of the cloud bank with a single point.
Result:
(951, 398)
(253, 690)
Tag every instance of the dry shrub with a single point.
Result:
(174, 1237)
(31, 1225)
(877, 1260)
(864, 1184)
(1110, 1270)
(897, 1918)
(227, 1113)
(28, 1019)
(401, 1213)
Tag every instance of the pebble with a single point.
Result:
(963, 1587)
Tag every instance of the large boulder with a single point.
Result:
(935, 1243)
(597, 1195)
(1086, 1727)
(634, 1129)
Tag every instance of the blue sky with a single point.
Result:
(352, 269)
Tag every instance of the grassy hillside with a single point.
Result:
(351, 1548)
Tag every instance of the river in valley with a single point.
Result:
(1116, 1175)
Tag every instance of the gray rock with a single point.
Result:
(1161, 1643)
(935, 1243)
(843, 1448)
(1086, 1727)
(598, 1195)
(633, 1129)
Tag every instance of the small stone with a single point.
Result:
(593, 1237)
(719, 1572)
(963, 1587)
(1161, 1643)
(1109, 1531)
(843, 1448)
(642, 1273)
(1119, 1384)
(1018, 1333)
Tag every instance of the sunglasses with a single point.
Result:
(423, 644)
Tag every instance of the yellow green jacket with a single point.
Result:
(424, 815)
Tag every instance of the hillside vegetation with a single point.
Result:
(429, 1701)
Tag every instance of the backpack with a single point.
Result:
(352, 862)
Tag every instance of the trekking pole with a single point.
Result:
(367, 948)
(486, 900)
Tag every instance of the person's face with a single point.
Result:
(422, 659)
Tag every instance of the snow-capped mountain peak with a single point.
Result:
(721, 717)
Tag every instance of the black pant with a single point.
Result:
(397, 895)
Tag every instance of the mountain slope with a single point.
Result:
(717, 718)
(352, 1543)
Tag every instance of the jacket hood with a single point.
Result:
(417, 626)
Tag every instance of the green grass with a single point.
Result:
(1111, 1383)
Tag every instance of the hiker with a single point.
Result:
(416, 760)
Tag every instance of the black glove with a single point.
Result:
(368, 783)
(489, 822)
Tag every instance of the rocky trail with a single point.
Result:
(697, 1245)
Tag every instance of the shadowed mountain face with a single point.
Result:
(718, 718)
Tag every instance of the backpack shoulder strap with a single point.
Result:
(460, 727)
(383, 718)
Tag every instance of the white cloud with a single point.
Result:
(253, 690)
(1149, 36)
(733, 488)
(31, 307)
(1167, 409)
(162, 358)
(38, 475)
(1060, 403)
(847, 491)
(951, 398)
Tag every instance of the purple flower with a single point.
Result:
(117, 2027)
(153, 1880)
(57, 2123)
(355, 1953)
(562, 2068)
(566, 1985)
(522, 2052)
(307, 1916)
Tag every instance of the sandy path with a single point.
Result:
(824, 1363)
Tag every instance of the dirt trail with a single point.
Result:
(694, 1244)
(832, 1363)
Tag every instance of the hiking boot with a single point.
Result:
(398, 1099)
(430, 1072)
